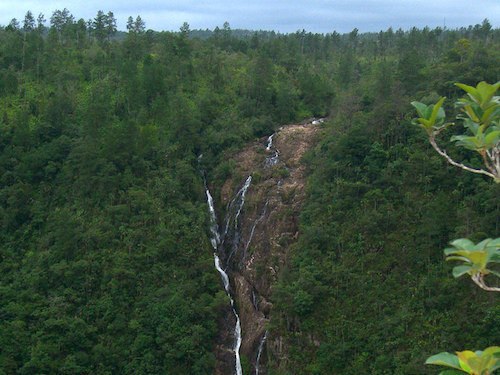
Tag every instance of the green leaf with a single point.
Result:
(451, 372)
(486, 91)
(437, 111)
(461, 253)
(460, 270)
(478, 258)
(420, 107)
(482, 245)
(492, 350)
(495, 242)
(496, 366)
(466, 359)
(492, 138)
(444, 359)
(463, 259)
(487, 115)
(469, 89)
(463, 243)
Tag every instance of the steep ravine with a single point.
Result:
(255, 252)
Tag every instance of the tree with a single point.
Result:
(60, 22)
(99, 29)
(140, 25)
(184, 29)
(130, 24)
(110, 25)
(40, 22)
(29, 22)
(482, 118)
(13, 25)
(135, 27)
(482, 110)
(473, 363)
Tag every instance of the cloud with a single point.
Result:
(279, 15)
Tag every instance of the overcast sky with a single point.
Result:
(321, 16)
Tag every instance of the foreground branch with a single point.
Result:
(478, 278)
(432, 140)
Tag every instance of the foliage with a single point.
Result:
(474, 363)
(482, 109)
(356, 297)
(483, 114)
(105, 262)
(475, 257)
(431, 118)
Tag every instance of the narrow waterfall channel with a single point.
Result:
(256, 222)
(218, 245)
(259, 352)
(273, 159)
(241, 241)
(233, 212)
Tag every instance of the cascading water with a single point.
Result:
(270, 141)
(273, 159)
(247, 245)
(241, 196)
(218, 243)
(242, 193)
(239, 201)
(319, 121)
(231, 247)
(259, 352)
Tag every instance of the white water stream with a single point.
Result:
(240, 200)
(271, 160)
(270, 141)
(216, 241)
(259, 353)
(259, 219)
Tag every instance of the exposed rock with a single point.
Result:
(269, 226)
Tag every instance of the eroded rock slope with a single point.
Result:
(268, 224)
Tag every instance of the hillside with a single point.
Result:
(334, 254)
(255, 250)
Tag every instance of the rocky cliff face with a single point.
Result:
(267, 226)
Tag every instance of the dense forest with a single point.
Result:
(106, 265)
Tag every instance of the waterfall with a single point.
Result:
(259, 353)
(271, 160)
(247, 245)
(216, 242)
(319, 121)
(241, 195)
(239, 199)
(270, 141)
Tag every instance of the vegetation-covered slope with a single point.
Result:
(367, 291)
(106, 265)
(105, 262)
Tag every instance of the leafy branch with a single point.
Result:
(473, 363)
(476, 259)
(482, 113)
